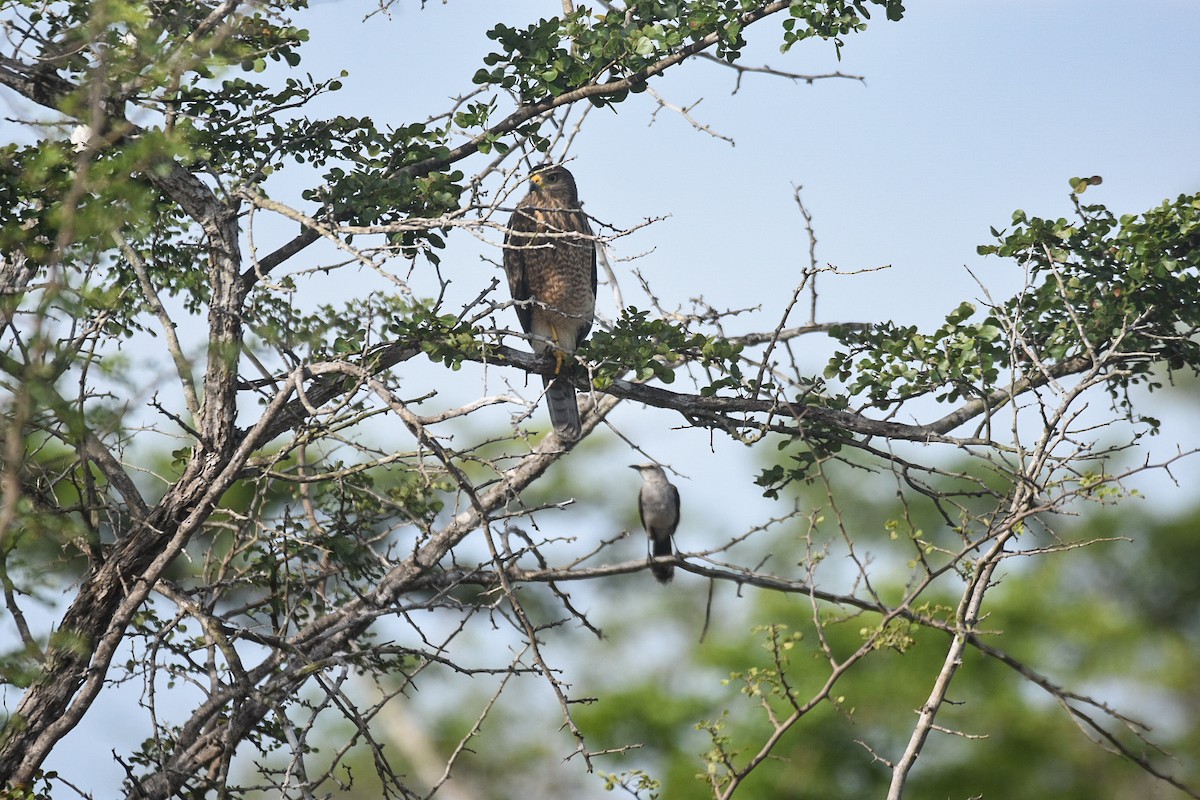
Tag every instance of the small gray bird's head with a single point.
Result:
(555, 185)
(648, 470)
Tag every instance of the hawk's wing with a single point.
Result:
(584, 228)
(516, 252)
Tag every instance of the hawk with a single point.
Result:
(550, 260)
(658, 507)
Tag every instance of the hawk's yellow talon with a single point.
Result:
(559, 356)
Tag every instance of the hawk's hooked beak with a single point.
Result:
(535, 181)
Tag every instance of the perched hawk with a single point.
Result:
(550, 260)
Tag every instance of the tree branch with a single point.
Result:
(528, 112)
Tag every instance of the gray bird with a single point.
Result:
(550, 261)
(658, 506)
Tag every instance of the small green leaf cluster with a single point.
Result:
(819, 444)
(243, 130)
(62, 213)
(1103, 487)
(367, 186)
(557, 55)
(140, 46)
(54, 502)
(538, 61)
(30, 224)
(832, 19)
(325, 333)
(476, 115)
(285, 563)
(154, 749)
(473, 121)
(895, 635)
(560, 54)
(370, 197)
(19, 668)
(59, 208)
(633, 782)
(653, 348)
(769, 681)
(260, 38)
(769, 685)
(890, 363)
(133, 52)
(722, 753)
(31, 792)
(232, 128)
(442, 337)
(240, 131)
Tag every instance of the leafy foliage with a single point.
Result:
(654, 348)
(1128, 284)
(832, 20)
(891, 363)
(558, 55)
(1126, 287)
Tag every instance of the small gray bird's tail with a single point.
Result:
(564, 410)
(662, 547)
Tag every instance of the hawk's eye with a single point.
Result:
(552, 177)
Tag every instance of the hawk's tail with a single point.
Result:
(564, 410)
(662, 547)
